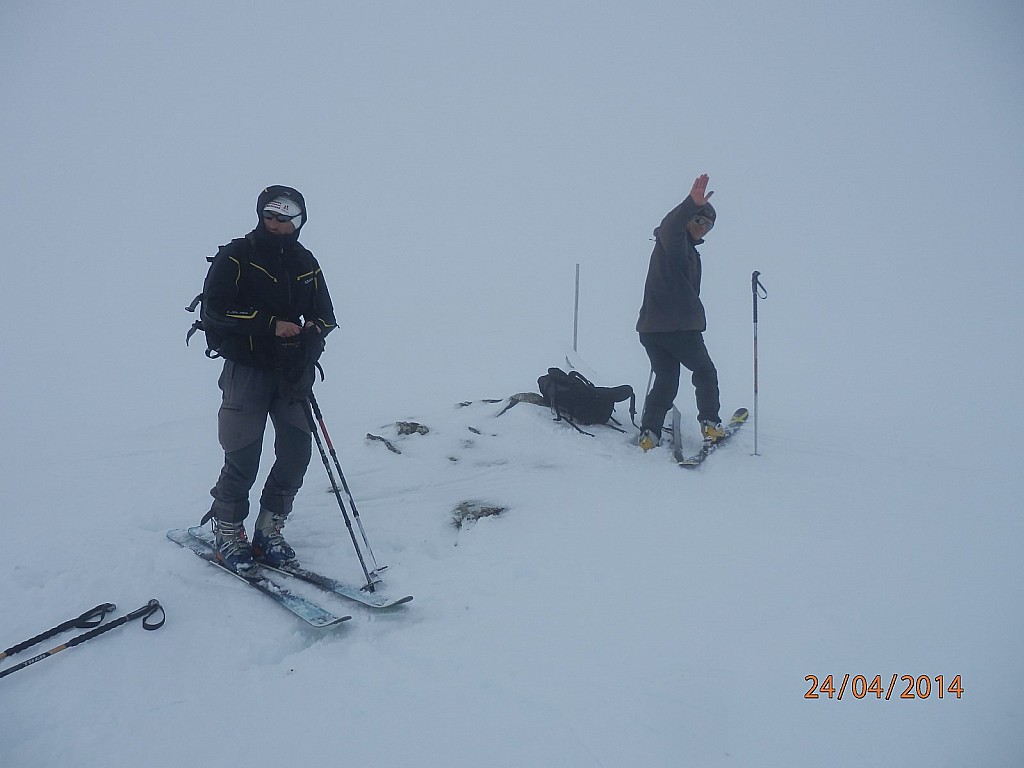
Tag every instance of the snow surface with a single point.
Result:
(459, 159)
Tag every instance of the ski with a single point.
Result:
(313, 614)
(739, 418)
(360, 595)
(337, 587)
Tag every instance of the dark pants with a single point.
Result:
(250, 395)
(667, 352)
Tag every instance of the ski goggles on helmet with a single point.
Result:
(704, 221)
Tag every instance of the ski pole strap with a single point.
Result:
(758, 291)
(87, 620)
(146, 613)
(756, 287)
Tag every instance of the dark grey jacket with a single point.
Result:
(672, 292)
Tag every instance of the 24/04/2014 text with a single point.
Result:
(910, 687)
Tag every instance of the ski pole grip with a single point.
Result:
(87, 620)
(145, 613)
(753, 291)
(757, 291)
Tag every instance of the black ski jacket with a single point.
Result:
(254, 281)
(672, 291)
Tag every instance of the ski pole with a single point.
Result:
(344, 482)
(87, 620)
(576, 310)
(145, 612)
(647, 393)
(758, 292)
(369, 587)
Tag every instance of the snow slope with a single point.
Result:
(458, 161)
(622, 611)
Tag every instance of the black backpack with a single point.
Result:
(213, 339)
(571, 397)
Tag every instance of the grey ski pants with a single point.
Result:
(250, 395)
(667, 352)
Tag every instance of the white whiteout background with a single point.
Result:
(458, 159)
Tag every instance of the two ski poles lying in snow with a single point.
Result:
(316, 419)
(87, 620)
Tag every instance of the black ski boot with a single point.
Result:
(233, 549)
(268, 545)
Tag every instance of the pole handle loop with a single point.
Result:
(91, 618)
(148, 612)
(145, 613)
(95, 617)
(756, 287)
(758, 291)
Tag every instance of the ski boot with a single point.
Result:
(233, 551)
(648, 441)
(268, 545)
(711, 431)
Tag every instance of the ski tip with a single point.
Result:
(741, 415)
(385, 603)
(177, 535)
(686, 461)
(323, 620)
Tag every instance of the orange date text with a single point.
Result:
(895, 687)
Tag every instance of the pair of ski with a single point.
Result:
(200, 541)
(739, 418)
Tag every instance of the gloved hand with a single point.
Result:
(295, 363)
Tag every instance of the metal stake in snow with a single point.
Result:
(758, 292)
(576, 311)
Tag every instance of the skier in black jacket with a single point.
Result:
(672, 319)
(266, 310)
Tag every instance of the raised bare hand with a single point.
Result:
(699, 188)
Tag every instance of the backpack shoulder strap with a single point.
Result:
(625, 392)
(577, 376)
